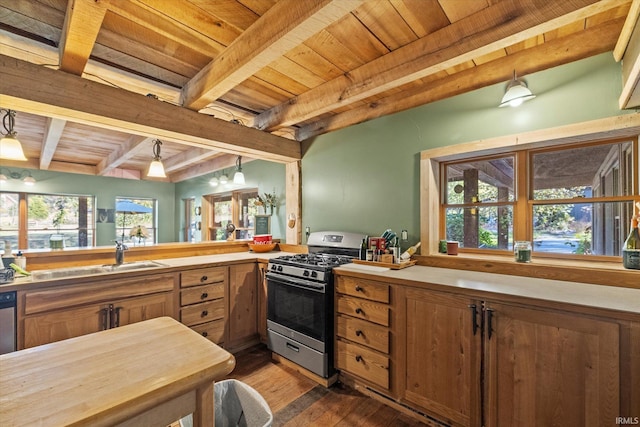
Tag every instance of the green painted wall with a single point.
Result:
(265, 176)
(105, 189)
(365, 178)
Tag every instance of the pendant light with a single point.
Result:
(10, 147)
(238, 177)
(214, 181)
(223, 178)
(516, 92)
(156, 169)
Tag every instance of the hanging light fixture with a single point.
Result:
(10, 147)
(238, 177)
(223, 178)
(214, 181)
(516, 92)
(156, 169)
(25, 176)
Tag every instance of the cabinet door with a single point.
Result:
(550, 369)
(132, 310)
(243, 304)
(62, 324)
(443, 352)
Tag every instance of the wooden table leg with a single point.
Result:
(204, 416)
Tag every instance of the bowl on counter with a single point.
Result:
(262, 247)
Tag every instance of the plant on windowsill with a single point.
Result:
(267, 200)
(139, 234)
(56, 241)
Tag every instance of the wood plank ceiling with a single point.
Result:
(290, 68)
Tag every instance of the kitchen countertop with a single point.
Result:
(557, 291)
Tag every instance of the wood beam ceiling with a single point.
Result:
(82, 23)
(52, 133)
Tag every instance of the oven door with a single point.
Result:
(301, 306)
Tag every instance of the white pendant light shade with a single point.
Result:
(213, 182)
(156, 168)
(10, 147)
(29, 180)
(223, 178)
(238, 177)
(516, 93)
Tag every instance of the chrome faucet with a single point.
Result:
(120, 248)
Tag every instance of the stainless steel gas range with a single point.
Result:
(300, 300)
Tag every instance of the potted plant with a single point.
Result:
(56, 241)
(267, 200)
(139, 234)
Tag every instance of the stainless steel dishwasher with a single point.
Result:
(7, 322)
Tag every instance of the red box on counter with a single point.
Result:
(262, 239)
(377, 243)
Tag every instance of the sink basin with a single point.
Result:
(61, 273)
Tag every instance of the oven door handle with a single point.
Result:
(294, 281)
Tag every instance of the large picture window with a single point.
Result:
(237, 208)
(573, 201)
(136, 220)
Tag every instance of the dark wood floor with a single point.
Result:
(296, 400)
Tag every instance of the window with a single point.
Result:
(136, 220)
(237, 208)
(572, 200)
(46, 217)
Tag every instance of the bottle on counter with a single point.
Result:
(363, 248)
(631, 247)
(21, 260)
(410, 251)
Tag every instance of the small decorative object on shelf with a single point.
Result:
(522, 251)
(139, 234)
(267, 200)
(631, 247)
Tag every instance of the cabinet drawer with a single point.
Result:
(363, 332)
(213, 331)
(367, 289)
(364, 309)
(364, 363)
(202, 276)
(202, 293)
(203, 312)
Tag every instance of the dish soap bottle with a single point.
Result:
(631, 247)
(410, 251)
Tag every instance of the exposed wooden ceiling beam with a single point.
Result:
(188, 158)
(82, 23)
(52, 133)
(498, 26)
(42, 91)
(284, 26)
(126, 151)
(222, 161)
(526, 61)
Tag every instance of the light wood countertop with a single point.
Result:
(112, 376)
(473, 282)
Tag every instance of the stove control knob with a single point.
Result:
(314, 274)
(306, 273)
(279, 268)
(273, 267)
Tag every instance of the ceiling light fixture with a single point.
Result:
(24, 175)
(10, 147)
(214, 181)
(223, 178)
(516, 92)
(238, 177)
(156, 169)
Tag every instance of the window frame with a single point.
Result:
(523, 207)
(234, 197)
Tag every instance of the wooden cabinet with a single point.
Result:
(363, 318)
(59, 313)
(550, 368)
(243, 305)
(203, 302)
(443, 354)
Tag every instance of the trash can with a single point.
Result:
(237, 404)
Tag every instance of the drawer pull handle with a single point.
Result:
(358, 358)
(359, 289)
(204, 295)
(359, 311)
(204, 278)
(293, 347)
(205, 334)
(358, 333)
(205, 313)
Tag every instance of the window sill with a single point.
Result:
(596, 272)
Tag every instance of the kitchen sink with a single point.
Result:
(61, 273)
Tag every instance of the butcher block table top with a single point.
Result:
(147, 373)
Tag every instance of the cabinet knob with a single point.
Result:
(204, 295)
(205, 333)
(358, 358)
(205, 313)
(204, 278)
(359, 289)
(359, 310)
(358, 332)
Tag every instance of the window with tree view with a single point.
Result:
(575, 200)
